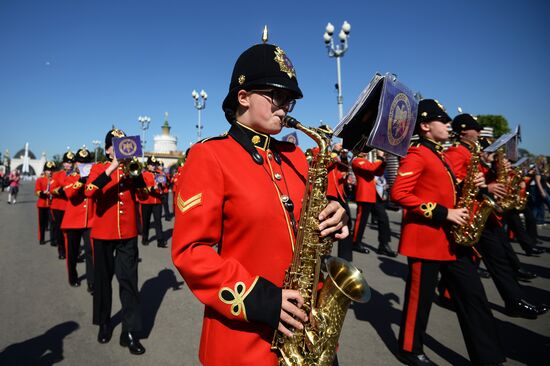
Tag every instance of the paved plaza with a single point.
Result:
(44, 321)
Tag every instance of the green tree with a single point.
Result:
(499, 124)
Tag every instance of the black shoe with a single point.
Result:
(446, 303)
(534, 251)
(541, 309)
(384, 249)
(74, 283)
(483, 273)
(53, 244)
(61, 256)
(361, 248)
(522, 309)
(128, 339)
(523, 275)
(80, 259)
(144, 241)
(90, 289)
(104, 334)
(413, 359)
(162, 244)
(42, 242)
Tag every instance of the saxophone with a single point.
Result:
(479, 211)
(508, 201)
(315, 345)
(519, 194)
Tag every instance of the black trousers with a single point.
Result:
(345, 246)
(530, 223)
(166, 209)
(472, 307)
(516, 226)
(73, 249)
(501, 261)
(146, 211)
(379, 212)
(43, 219)
(118, 257)
(56, 232)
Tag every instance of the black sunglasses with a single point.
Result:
(279, 98)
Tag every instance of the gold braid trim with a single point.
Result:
(427, 209)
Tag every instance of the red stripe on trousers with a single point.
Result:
(357, 223)
(414, 295)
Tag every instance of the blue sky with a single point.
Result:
(69, 69)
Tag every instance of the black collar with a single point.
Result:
(433, 145)
(250, 139)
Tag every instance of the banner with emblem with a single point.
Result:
(291, 137)
(127, 147)
(383, 117)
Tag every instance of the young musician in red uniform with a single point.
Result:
(77, 220)
(59, 201)
(114, 234)
(242, 192)
(425, 187)
(494, 246)
(152, 204)
(164, 181)
(368, 200)
(42, 189)
(337, 175)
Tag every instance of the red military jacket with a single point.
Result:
(79, 210)
(336, 180)
(227, 199)
(364, 172)
(458, 157)
(114, 199)
(154, 194)
(425, 189)
(42, 189)
(59, 199)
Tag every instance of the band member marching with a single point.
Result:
(494, 246)
(367, 201)
(114, 234)
(59, 201)
(43, 192)
(77, 220)
(152, 204)
(242, 191)
(426, 189)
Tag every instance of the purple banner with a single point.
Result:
(127, 147)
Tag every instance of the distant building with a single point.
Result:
(26, 162)
(165, 147)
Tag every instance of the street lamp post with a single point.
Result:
(96, 144)
(337, 51)
(144, 122)
(200, 104)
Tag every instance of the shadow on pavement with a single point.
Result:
(393, 268)
(384, 304)
(151, 296)
(43, 350)
(523, 345)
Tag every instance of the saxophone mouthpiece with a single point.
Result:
(289, 121)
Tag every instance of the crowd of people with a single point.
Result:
(238, 200)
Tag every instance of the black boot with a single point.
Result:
(361, 248)
(105, 333)
(162, 244)
(384, 249)
(129, 339)
(523, 275)
(413, 359)
(523, 309)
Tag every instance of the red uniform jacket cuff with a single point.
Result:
(101, 180)
(263, 303)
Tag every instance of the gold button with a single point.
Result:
(269, 156)
(284, 199)
(278, 176)
(121, 203)
(84, 206)
(121, 211)
(120, 194)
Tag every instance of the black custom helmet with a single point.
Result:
(152, 160)
(83, 156)
(430, 110)
(68, 157)
(464, 122)
(115, 132)
(260, 66)
(49, 165)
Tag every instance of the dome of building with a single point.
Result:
(165, 143)
(21, 154)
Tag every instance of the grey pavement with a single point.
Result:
(44, 321)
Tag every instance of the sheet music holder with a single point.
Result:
(501, 141)
(382, 117)
(520, 161)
